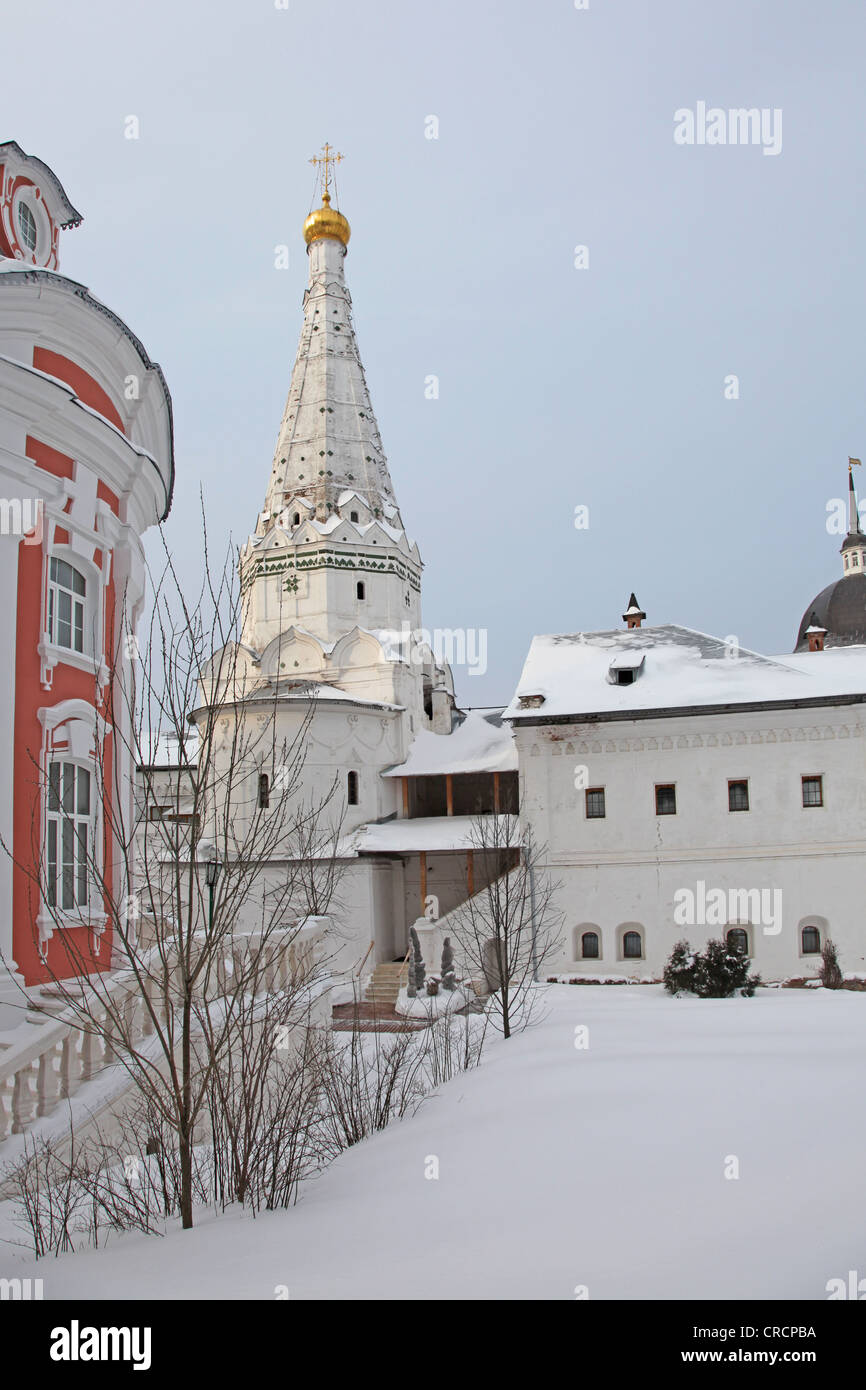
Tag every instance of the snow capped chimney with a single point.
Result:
(816, 634)
(633, 615)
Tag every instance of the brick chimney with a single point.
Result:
(633, 615)
(815, 633)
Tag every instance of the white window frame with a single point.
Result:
(73, 730)
(52, 652)
(71, 868)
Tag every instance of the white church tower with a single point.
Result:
(334, 581)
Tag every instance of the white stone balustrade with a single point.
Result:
(47, 1059)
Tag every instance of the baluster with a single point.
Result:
(6, 1086)
(48, 1080)
(85, 1055)
(23, 1099)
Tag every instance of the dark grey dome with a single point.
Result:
(841, 609)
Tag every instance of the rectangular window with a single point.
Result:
(595, 803)
(738, 796)
(813, 791)
(666, 799)
(69, 832)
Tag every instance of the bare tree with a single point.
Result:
(508, 928)
(206, 910)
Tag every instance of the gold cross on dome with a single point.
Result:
(326, 159)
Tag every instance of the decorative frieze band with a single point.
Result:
(575, 747)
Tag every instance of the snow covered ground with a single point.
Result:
(562, 1166)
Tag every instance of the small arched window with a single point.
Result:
(632, 946)
(353, 516)
(738, 940)
(811, 939)
(296, 519)
(589, 945)
(352, 788)
(264, 791)
(359, 589)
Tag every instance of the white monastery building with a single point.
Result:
(686, 788)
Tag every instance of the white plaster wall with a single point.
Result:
(627, 867)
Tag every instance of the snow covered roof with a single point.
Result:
(482, 743)
(681, 668)
(429, 833)
(163, 749)
(309, 690)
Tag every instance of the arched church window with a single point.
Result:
(738, 940)
(855, 559)
(589, 945)
(360, 590)
(67, 594)
(811, 940)
(296, 519)
(352, 788)
(353, 516)
(264, 791)
(632, 946)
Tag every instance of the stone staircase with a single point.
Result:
(383, 985)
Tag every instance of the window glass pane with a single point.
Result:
(631, 945)
(82, 864)
(54, 787)
(738, 796)
(69, 787)
(68, 871)
(590, 945)
(83, 792)
(666, 801)
(78, 583)
(52, 863)
(812, 791)
(79, 627)
(27, 226)
(63, 602)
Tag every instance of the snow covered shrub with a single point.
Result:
(416, 965)
(715, 973)
(679, 973)
(721, 972)
(830, 974)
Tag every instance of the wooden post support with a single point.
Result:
(449, 794)
(496, 792)
(405, 781)
(470, 871)
(423, 861)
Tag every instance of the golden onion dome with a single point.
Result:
(326, 221)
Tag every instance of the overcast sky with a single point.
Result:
(559, 387)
